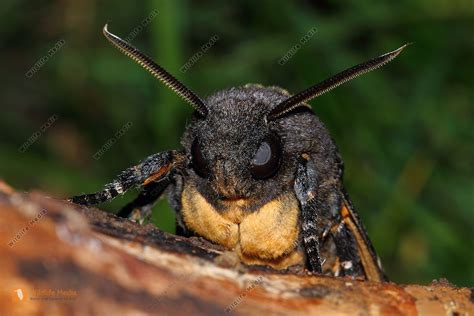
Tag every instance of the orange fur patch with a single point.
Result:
(268, 236)
(157, 174)
(271, 231)
(203, 219)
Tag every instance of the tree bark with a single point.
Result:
(57, 258)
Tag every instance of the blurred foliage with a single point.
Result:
(405, 131)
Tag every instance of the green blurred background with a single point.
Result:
(405, 131)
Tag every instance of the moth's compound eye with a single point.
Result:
(199, 163)
(267, 159)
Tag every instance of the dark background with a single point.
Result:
(405, 131)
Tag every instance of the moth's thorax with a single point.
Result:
(268, 235)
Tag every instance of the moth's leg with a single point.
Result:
(349, 262)
(321, 201)
(313, 222)
(328, 217)
(360, 244)
(153, 168)
(174, 197)
(140, 208)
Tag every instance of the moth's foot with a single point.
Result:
(141, 215)
(230, 259)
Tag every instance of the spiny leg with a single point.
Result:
(349, 263)
(324, 205)
(361, 243)
(153, 168)
(312, 229)
(140, 208)
(320, 204)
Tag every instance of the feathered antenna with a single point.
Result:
(157, 71)
(315, 91)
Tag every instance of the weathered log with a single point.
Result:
(60, 259)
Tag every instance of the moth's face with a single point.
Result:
(235, 154)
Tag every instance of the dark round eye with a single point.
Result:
(267, 159)
(199, 163)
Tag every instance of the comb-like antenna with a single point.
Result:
(315, 91)
(157, 71)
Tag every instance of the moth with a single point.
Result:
(258, 174)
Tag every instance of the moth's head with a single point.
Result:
(243, 142)
(236, 152)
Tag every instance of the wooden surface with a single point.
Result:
(70, 260)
